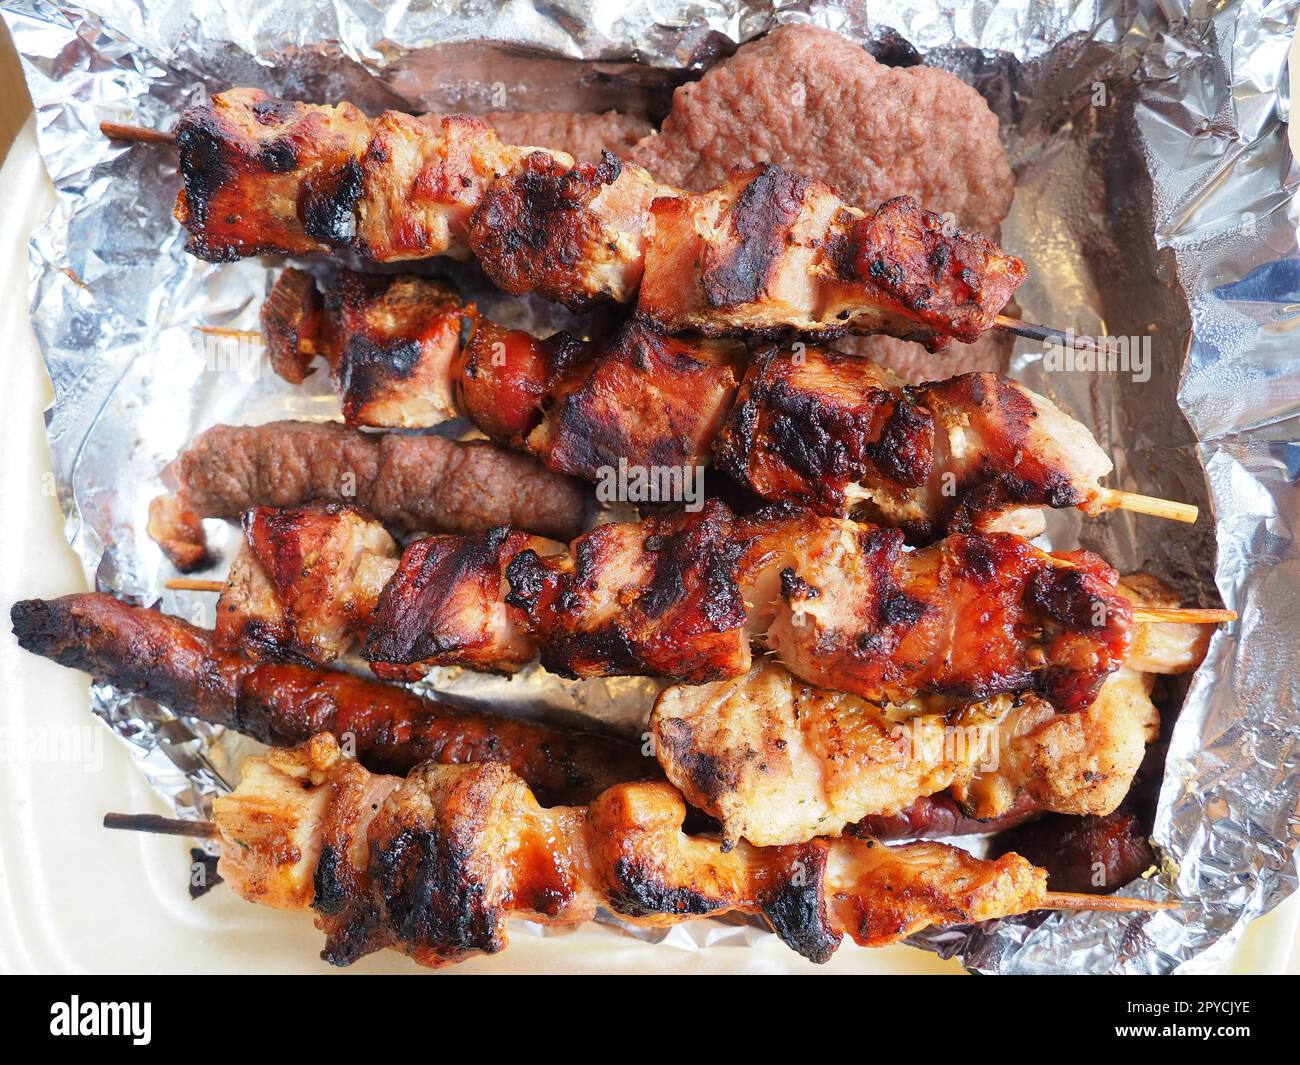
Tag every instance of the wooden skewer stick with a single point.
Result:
(306, 347)
(1077, 900)
(1148, 615)
(120, 131)
(192, 584)
(1112, 497)
(1154, 505)
(1168, 615)
(1046, 333)
(162, 826)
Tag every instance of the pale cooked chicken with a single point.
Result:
(779, 761)
(433, 865)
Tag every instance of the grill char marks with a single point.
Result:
(245, 150)
(535, 229)
(739, 268)
(393, 729)
(658, 597)
(944, 282)
(766, 252)
(444, 606)
(808, 423)
(398, 346)
(970, 617)
(641, 398)
(304, 583)
(770, 252)
(1018, 454)
(433, 865)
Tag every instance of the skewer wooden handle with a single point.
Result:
(1077, 900)
(191, 584)
(161, 826)
(1168, 615)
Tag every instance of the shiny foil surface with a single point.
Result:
(1156, 197)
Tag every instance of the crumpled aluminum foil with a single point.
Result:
(1156, 196)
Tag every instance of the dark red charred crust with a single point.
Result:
(328, 205)
(795, 905)
(939, 817)
(685, 620)
(393, 729)
(910, 259)
(739, 270)
(417, 621)
(430, 870)
(1009, 472)
(532, 230)
(292, 318)
(641, 397)
(225, 175)
(805, 443)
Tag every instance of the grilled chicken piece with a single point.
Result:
(656, 597)
(391, 729)
(433, 865)
(769, 250)
(779, 761)
(305, 583)
(809, 425)
(640, 399)
(409, 482)
(842, 606)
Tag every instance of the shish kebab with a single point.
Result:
(685, 596)
(433, 865)
(774, 760)
(803, 424)
(768, 251)
(304, 584)
(391, 729)
(778, 761)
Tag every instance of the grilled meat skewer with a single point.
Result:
(801, 424)
(390, 728)
(424, 483)
(684, 596)
(778, 761)
(434, 864)
(767, 251)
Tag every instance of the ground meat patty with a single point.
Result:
(814, 102)
(416, 483)
(583, 135)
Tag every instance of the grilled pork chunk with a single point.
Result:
(769, 250)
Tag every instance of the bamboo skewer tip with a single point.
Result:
(160, 826)
(1077, 900)
(1168, 615)
(122, 131)
(1153, 505)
